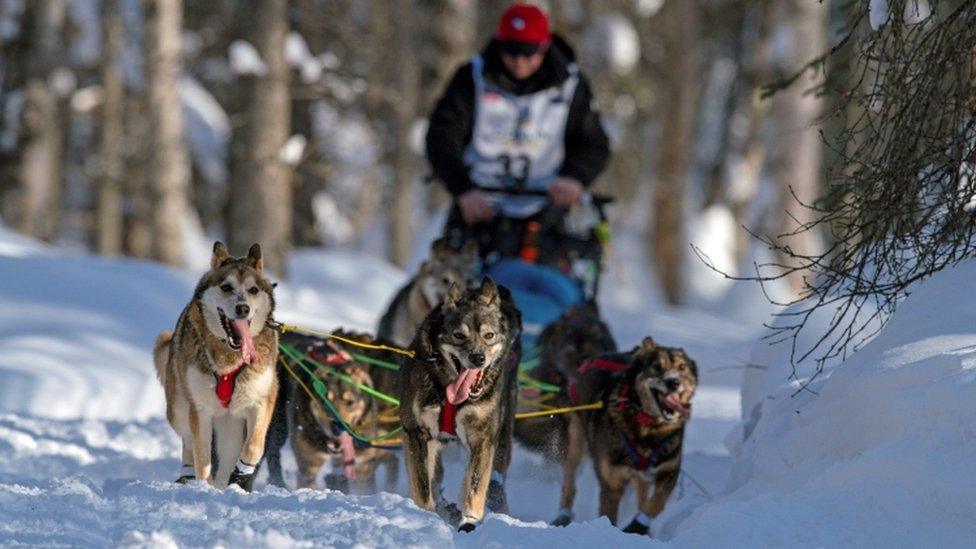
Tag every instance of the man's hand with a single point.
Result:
(565, 191)
(475, 206)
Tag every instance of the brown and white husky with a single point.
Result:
(218, 369)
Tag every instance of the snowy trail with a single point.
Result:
(89, 483)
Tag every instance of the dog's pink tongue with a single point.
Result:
(674, 402)
(459, 390)
(348, 455)
(243, 329)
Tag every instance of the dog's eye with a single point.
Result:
(227, 287)
(489, 336)
(458, 335)
(253, 290)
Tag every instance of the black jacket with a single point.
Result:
(587, 149)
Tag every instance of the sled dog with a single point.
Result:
(314, 433)
(575, 337)
(461, 385)
(638, 433)
(427, 289)
(217, 369)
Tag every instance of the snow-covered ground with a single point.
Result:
(883, 454)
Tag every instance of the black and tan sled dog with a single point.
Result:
(316, 437)
(638, 434)
(572, 339)
(461, 385)
(218, 369)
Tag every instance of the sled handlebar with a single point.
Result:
(594, 198)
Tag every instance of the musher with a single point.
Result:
(516, 141)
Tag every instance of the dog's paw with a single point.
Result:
(337, 482)
(244, 480)
(449, 512)
(636, 528)
(468, 524)
(185, 479)
(446, 437)
(497, 501)
(562, 520)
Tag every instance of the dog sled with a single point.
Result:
(572, 241)
(550, 260)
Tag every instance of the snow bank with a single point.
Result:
(75, 331)
(882, 456)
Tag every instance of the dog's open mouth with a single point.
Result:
(670, 405)
(233, 337)
(238, 332)
(466, 385)
(477, 387)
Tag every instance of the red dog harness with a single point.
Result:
(225, 385)
(623, 401)
(641, 461)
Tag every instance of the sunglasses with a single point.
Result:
(520, 49)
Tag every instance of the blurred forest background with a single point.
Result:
(144, 128)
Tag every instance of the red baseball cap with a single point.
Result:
(524, 23)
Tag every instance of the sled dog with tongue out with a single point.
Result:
(460, 385)
(217, 369)
(638, 433)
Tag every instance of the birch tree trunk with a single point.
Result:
(679, 97)
(797, 158)
(455, 28)
(42, 153)
(260, 200)
(746, 155)
(109, 226)
(169, 170)
(400, 226)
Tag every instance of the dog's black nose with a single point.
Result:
(242, 310)
(478, 359)
(672, 384)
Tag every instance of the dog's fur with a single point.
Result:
(657, 380)
(207, 342)
(315, 437)
(579, 334)
(471, 331)
(575, 337)
(427, 289)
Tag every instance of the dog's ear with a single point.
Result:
(424, 268)
(470, 250)
(454, 295)
(488, 293)
(440, 248)
(648, 344)
(254, 258)
(219, 256)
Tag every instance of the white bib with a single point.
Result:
(518, 141)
